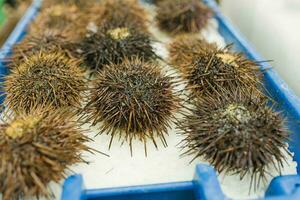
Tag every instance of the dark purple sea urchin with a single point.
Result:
(236, 133)
(36, 149)
(113, 45)
(182, 16)
(133, 100)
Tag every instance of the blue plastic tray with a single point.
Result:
(205, 185)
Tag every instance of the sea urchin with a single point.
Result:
(36, 149)
(69, 20)
(236, 133)
(124, 13)
(182, 16)
(134, 100)
(217, 69)
(45, 41)
(113, 45)
(45, 79)
(186, 48)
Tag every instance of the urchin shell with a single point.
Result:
(46, 41)
(133, 100)
(70, 21)
(182, 16)
(236, 133)
(217, 69)
(45, 79)
(36, 149)
(112, 45)
(186, 48)
(124, 13)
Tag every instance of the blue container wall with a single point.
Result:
(205, 184)
(181, 191)
(18, 33)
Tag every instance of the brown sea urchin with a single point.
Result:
(70, 21)
(133, 100)
(37, 149)
(182, 16)
(46, 41)
(186, 48)
(236, 133)
(113, 45)
(217, 69)
(124, 13)
(45, 79)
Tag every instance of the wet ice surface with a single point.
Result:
(161, 165)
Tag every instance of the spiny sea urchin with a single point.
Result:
(124, 13)
(185, 48)
(113, 45)
(236, 133)
(217, 69)
(46, 41)
(36, 149)
(69, 21)
(134, 100)
(42, 79)
(177, 16)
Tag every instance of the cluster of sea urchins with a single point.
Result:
(182, 16)
(45, 78)
(112, 45)
(133, 100)
(208, 69)
(36, 149)
(236, 133)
